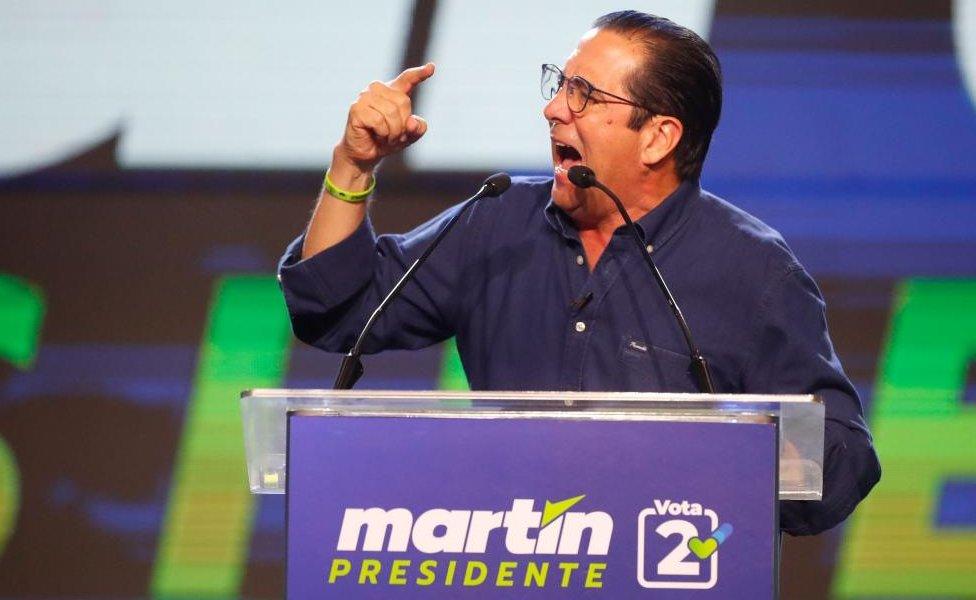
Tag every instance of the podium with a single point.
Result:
(532, 494)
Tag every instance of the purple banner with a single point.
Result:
(393, 507)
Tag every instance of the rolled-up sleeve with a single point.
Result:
(331, 294)
(324, 281)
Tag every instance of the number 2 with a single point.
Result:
(674, 563)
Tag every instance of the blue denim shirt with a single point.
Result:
(512, 284)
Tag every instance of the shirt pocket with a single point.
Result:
(654, 369)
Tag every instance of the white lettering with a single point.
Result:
(483, 522)
(441, 530)
(454, 523)
(518, 522)
(662, 507)
(398, 521)
(600, 525)
(549, 537)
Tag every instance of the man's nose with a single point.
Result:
(556, 110)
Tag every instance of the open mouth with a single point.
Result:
(566, 155)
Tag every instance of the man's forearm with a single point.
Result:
(333, 219)
(851, 469)
(380, 123)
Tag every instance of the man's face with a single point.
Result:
(599, 134)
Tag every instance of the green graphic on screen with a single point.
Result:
(206, 532)
(452, 375)
(21, 317)
(905, 539)
(9, 493)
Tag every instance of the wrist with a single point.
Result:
(347, 174)
(346, 195)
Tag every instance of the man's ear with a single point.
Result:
(659, 137)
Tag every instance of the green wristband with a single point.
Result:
(346, 196)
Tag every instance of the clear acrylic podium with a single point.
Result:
(800, 421)
(426, 494)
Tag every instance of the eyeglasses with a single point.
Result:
(578, 90)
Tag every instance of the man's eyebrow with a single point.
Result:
(586, 79)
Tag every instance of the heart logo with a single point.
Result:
(702, 549)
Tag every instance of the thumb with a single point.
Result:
(416, 127)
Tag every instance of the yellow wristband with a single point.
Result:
(346, 196)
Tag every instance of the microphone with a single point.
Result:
(351, 368)
(584, 177)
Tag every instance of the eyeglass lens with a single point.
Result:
(551, 81)
(576, 92)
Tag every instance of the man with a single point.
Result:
(542, 287)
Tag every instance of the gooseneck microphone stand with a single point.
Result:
(351, 368)
(584, 177)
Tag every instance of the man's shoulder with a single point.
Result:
(741, 234)
(528, 195)
(536, 188)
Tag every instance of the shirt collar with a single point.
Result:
(657, 226)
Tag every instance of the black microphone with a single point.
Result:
(351, 368)
(584, 177)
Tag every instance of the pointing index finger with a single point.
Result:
(410, 78)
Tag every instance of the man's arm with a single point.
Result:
(794, 354)
(331, 294)
(380, 123)
(335, 274)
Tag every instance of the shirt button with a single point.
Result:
(580, 326)
(580, 260)
(650, 248)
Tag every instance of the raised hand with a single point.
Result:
(381, 120)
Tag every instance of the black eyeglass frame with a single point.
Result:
(582, 84)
